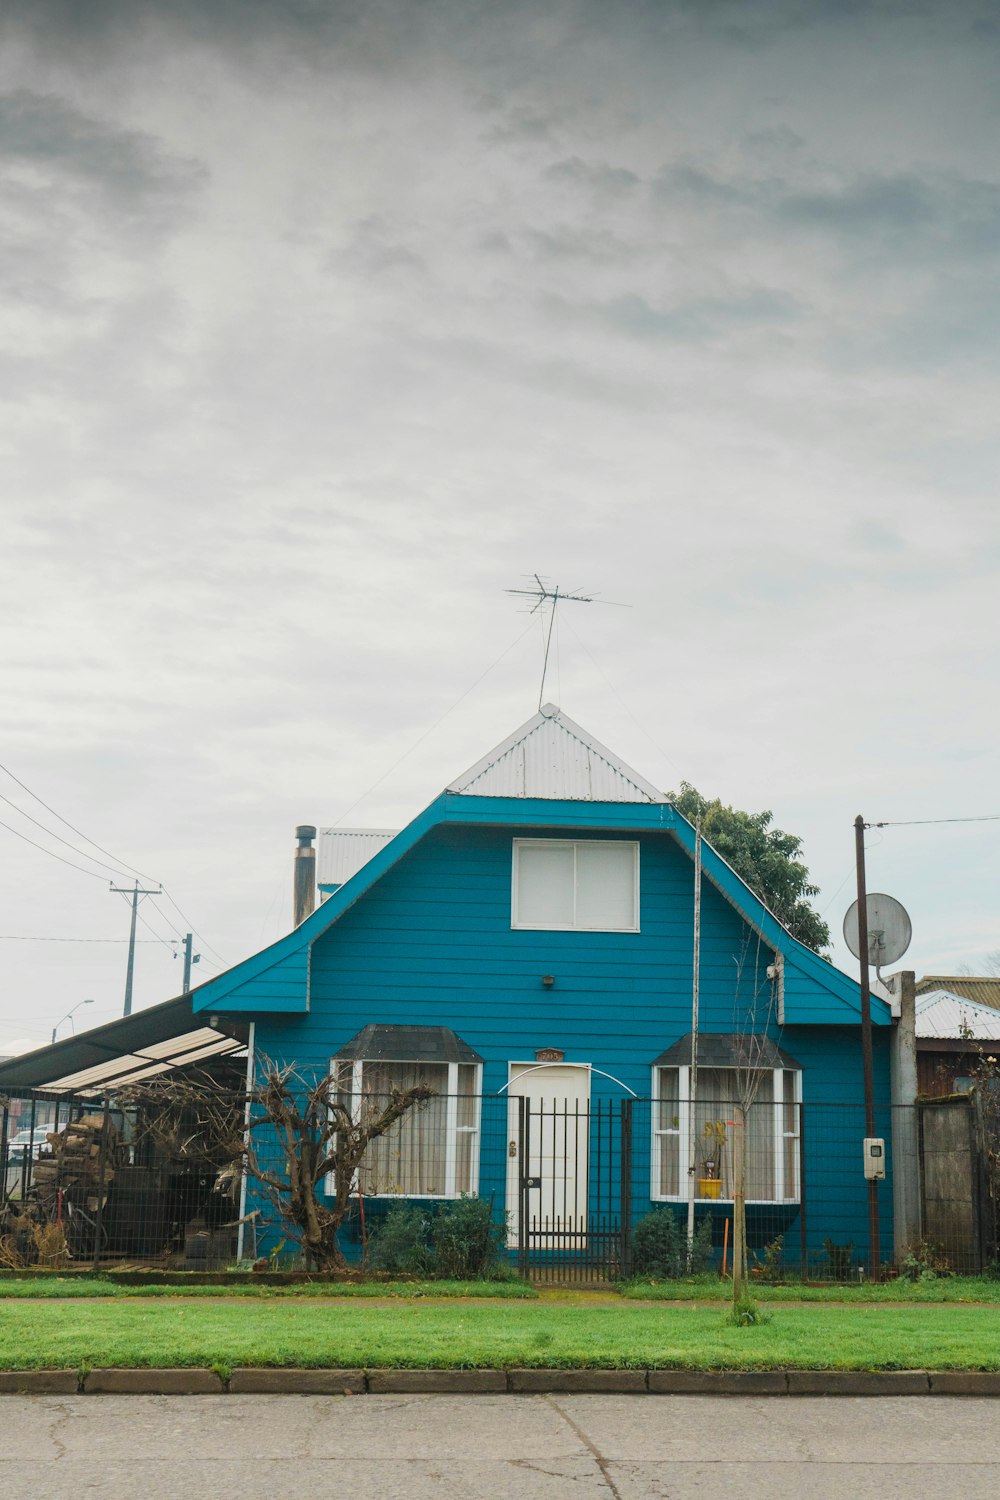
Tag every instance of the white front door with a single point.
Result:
(556, 1118)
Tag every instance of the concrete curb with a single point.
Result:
(440, 1382)
(38, 1382)
(858, 1383)
(304, 1382)
(605, 1382)
(153, 1383)
(260, 1382)
(718, 1382)
(965, 1382)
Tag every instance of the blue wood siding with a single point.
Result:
(282, 987)
(431, 943)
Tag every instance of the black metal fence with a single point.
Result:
(99, 1181)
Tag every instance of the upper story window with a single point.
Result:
(576, 885)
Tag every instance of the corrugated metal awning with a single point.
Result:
(152, 1041)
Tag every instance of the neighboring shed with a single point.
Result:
(983, 989)
(953, 1033)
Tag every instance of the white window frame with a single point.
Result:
(683, 1130)
(452, 1128)
(515, 919)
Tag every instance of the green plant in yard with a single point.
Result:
(660, 1250)
(747, 1313)
(839, 1259)
(402, 1243)
(769, 1268)
(458, 1241)
(925, 1261)
(468, 1244)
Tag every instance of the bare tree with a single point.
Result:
(297, 1139)
(754, 1013)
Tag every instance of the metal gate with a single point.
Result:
(574, 1180)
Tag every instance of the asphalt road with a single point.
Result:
(467, 1447)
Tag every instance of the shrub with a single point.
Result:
(839, 1258)
(660, 1250)
(925, 1262)
(456, 1241)
(468, 1245)
(769, 1267)
(402, 1243)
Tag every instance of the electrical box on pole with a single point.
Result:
(874, 1158)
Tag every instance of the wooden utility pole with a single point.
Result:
(866, 1041)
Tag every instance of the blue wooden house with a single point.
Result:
(526, 946)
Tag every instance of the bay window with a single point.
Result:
(433, 1150)
(697, 1139)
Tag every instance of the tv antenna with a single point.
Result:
(543, 593)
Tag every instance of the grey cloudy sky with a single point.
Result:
(324, 323)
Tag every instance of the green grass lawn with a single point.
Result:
(423, 1332)
(65, 1288)
(710, 1288)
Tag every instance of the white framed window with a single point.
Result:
(772, 1135)
(433, 1150)
(575, 885)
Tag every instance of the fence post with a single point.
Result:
(101, 1166)
(625, 1187)
(803, 1244)
(522, 1169)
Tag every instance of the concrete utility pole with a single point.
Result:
(189, 959)
(135, 893)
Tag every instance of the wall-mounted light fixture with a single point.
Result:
(548, 980)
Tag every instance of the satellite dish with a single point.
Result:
(889, 929)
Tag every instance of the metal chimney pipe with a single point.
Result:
(304, 877)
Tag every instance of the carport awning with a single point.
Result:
(153, 1041)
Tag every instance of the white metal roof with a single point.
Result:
(942, 1014)
(340, 852)
(552, 758)
(157, 1057)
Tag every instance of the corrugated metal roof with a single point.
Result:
(944, 1014)
(341, 852)
(150, 1041)
(553, 759)
(978, 987)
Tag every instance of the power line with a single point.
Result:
(117, 868)
(916, 822)
(82, 852)
(65, 821)
(52, 854)
(18, 937)
(192, 928)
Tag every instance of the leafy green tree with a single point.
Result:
(765, 857)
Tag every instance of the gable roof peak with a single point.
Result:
(552, 758)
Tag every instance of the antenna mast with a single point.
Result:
(543, 592)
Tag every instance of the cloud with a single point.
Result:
(599, 177)
(700, 320)
(131, 171)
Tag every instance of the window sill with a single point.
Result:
(750, 1202)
